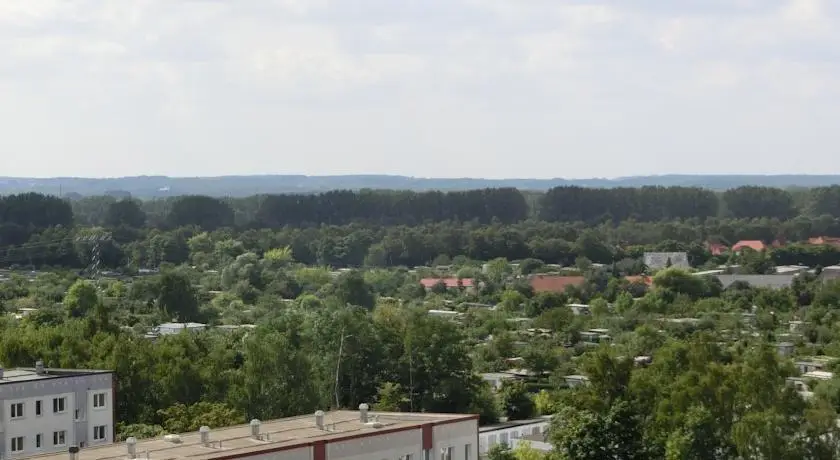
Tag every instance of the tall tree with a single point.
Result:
(125, 213)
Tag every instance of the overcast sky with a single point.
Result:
(443, 88)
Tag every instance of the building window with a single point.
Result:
(99, 433)
(59, 405)
(59, 438)
(16, 410)
(99, 400)
(468, 452)
(446, 453)
(38, 409)
(427, 454)
(39, 438)
(17, 444)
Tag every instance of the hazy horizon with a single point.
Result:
(362, 174)
(493, 89)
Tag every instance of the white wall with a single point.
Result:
(98, 416)
(301, 453)
(457, 435)
(45, 424)
(390, 446)
(488, 439)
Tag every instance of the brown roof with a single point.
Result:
(451, 283)
(277, 435)
(825, 240)
(755, 245)
(555, 283)
(716, 248)
(646, 280)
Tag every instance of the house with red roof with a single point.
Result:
(643, 279)
(554, 283)
(716, 248)
(755, 245)
(825, 240)
(450, 283)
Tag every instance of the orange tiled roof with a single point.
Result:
(450, 283)
(555, 283)
(755, 245)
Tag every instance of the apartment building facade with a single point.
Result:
(49, 410)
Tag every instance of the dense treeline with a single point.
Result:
(342, 207)
(404, 207)
(571, 204)
(345, 228)
(146, 236)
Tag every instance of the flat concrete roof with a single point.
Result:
(282, 434)
(514, 423)
(18, 375)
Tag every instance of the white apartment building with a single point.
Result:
(509, 433)
(49, 410)
(337, 435)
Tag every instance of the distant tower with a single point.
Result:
(95, 265)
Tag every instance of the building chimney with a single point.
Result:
(39, 367)
(131, 444)
(74, 452)
(255, 428)
(204, 432)
(363, 412)
(319, 419)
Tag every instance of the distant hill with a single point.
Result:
(237, 186)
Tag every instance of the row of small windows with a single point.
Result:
(59, 405)
(59, 438)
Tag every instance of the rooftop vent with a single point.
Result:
(319, 419)
(363, 412)
(204, 432)
(74, 452)
(375, 423)
(39, 367)
(1, 372)
(255, 428)
(131, 444)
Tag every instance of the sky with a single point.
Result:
(427, 88)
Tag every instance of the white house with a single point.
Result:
(658, 260)
(174, 328)
(509, 432)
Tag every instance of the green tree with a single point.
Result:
(182, 418)
(352, 289)
(81, 299)
(525, 451)
(500, 452)
(516, 402)
(279, 256)
(176, 297)
(391, 398)
(126, 213)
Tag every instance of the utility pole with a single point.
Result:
(338, 367)
(96, 239)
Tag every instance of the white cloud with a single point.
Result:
(426, 87)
